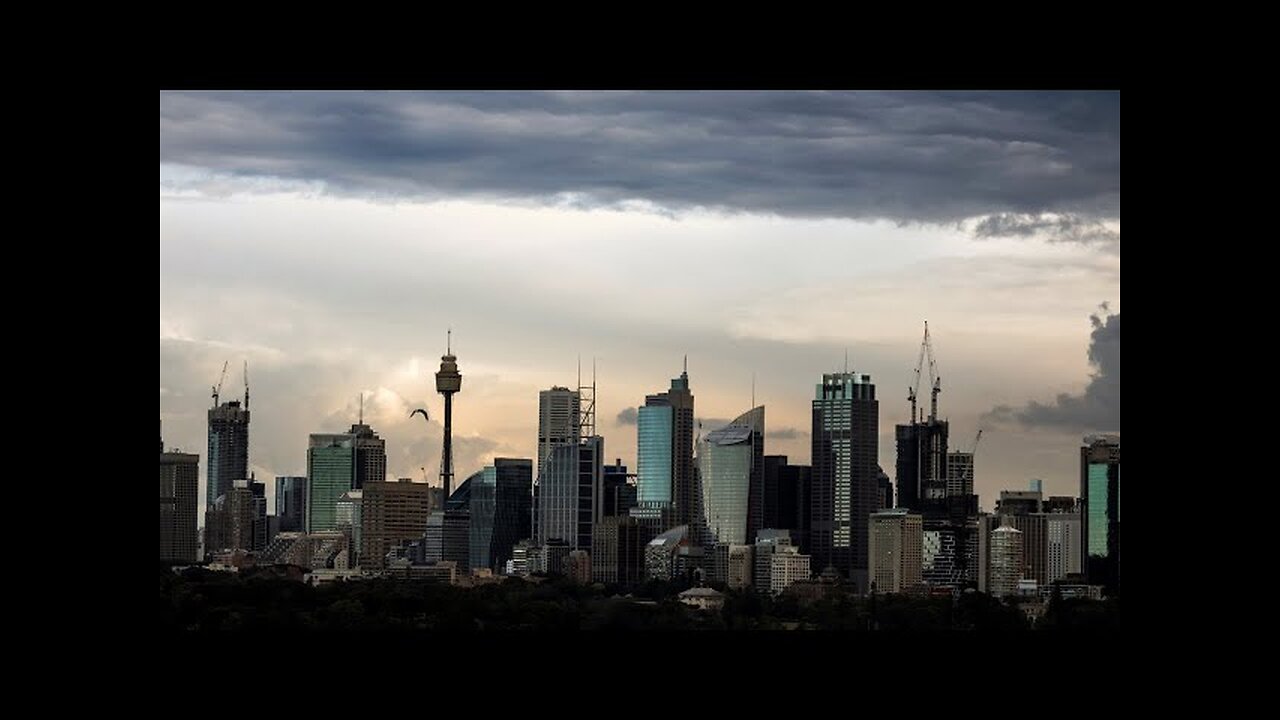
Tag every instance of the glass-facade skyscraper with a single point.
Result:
(1100, 510)
(228, 448)
(664, 443)
(179, 496)
(654, 441)
(845, 452)
(331, 470)
(291, 502)
(731, 466)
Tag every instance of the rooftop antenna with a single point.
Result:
(846, 361)
(686, 363)
(361, 407)
(753, 390)
(448, 342)
(246, 384)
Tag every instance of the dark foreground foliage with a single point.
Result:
(197, 601)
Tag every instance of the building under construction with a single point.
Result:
(927, 484)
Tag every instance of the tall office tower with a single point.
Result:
(619, 492)
(846, 419)
(1062, 531)
(331, 471)
(885, 489)
(229, 522)
(617, 550)
(499, 511)
(371, 454)
(390, 514)
(258, 493)
(786, 498)
(665, 451)
(348, 516)
(179, 496)
(559, 410)
(228, 447)
(1021, 510)
(291, 502)
(959, 473)
(559, 426)
(896, 543)
(654, 443)
(1006, 560)
(448, 382)
(447, 538)
(1100, 511)
(731, 465)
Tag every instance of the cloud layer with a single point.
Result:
(1098, 408)
(907, 157)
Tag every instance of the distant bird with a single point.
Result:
(425, 416)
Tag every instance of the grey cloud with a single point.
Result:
(908, 157)
(789, 433)
(628, 416)
(1058, 228)
(1098, 408)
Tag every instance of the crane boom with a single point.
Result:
(935, 380)
(217, 389)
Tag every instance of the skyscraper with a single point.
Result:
(228, 448)
(1100, 510)
(895, 550)
(1006, 560)
(665, 451)
(291, 502)
(371, 454)
(331, 471)
(619, 492)
(921, 463)
(390, 513)
(846, 418)
(558, 416)
(654, 436)
(179, 496)
(229, 523)
(786, 498)
(448, 382)
(731, 460)
(500, 495)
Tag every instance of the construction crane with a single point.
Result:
(935, 380)
(217, 389)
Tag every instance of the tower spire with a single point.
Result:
(846, 361)
(686, 363)
(361, 407)
(753, 390)
(448, 342)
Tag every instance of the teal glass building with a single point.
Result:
(331, 472)
(654, 441)
(1100, 510)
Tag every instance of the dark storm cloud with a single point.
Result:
(628, 416)
(916, 156)
(1098, 409)
(1059, 228)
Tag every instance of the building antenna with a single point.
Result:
(846, 361)
(686, 363)
(246, 384)
(448, 342)
(753, 390)
(361, 407)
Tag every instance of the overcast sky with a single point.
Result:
(330, 238)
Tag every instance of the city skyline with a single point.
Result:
(333, 283)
